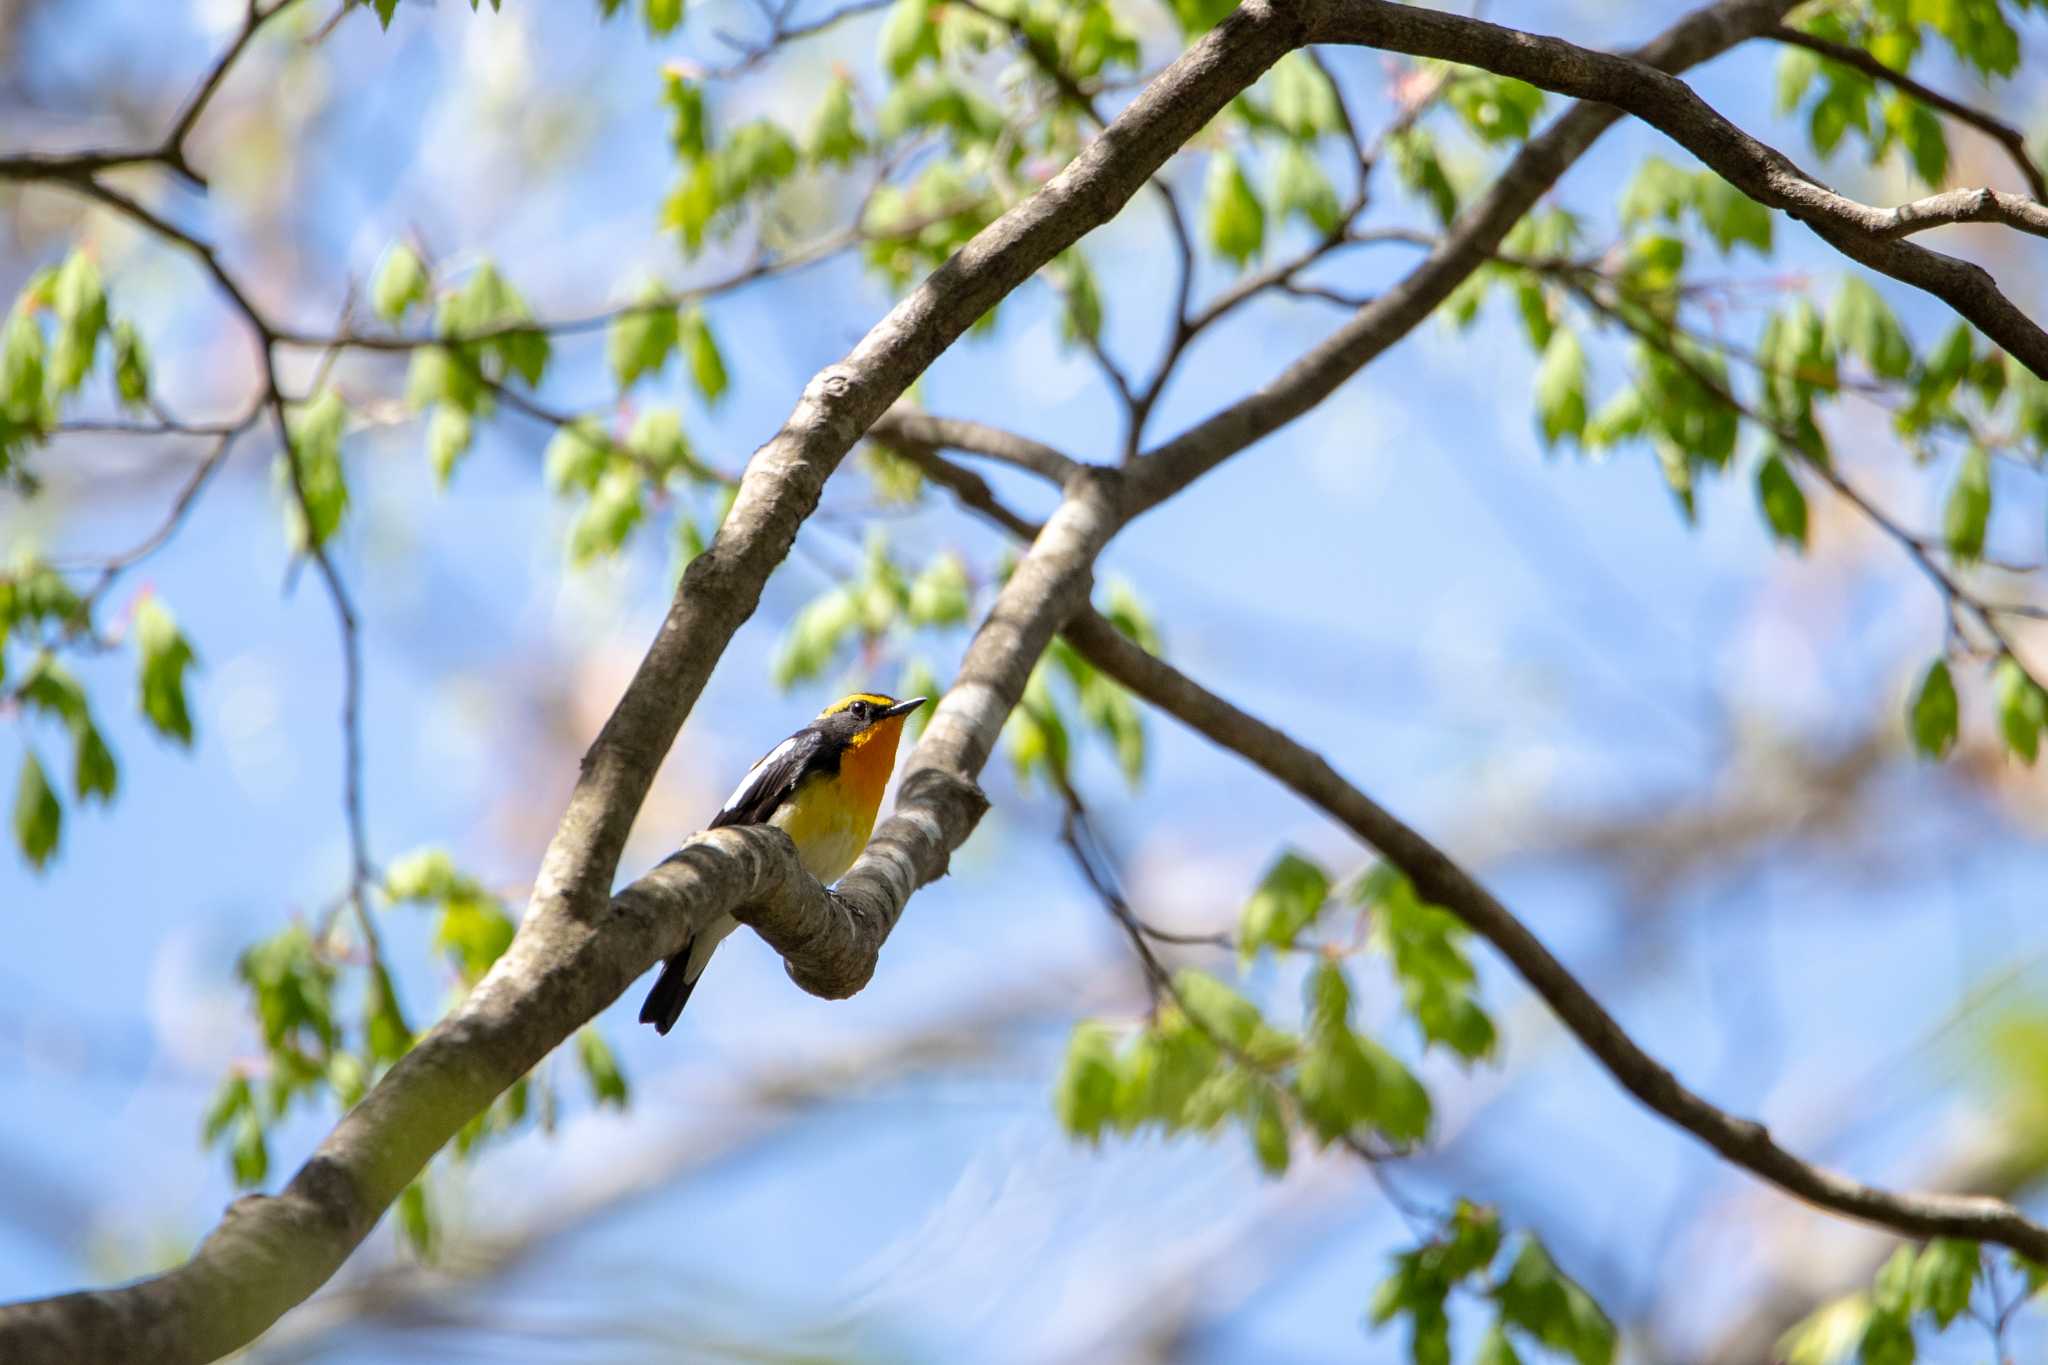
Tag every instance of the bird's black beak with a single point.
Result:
(903, 708)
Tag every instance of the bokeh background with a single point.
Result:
(1676, 750)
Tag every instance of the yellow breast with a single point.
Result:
(829, 817)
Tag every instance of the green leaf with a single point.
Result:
(1784, 505)
(22, 403)
(1561, 388)
(1860, 323)
(1425, 944)
(700, 348)
(415, 1219)
(1301, 190)
(663, 16)
(1887, 1340)
(249, 1154)
(834, 138)
(1968, 509)
(1268, 1130)
(230, 1100)
(641, 338)
(1659, 191)
(1304, 102)
(1797, 67)
(614, 509)
(577, 456)
(2022, 707)
(1944, 1276)
(1345, 1080)
(316, 431)
(908, 36)
(450, 432)
(688, 128)
(1085, 1093)
(401, 282)
(1422, 171)
(939, 596)
(1829, 1334)
(1537, 1298)
(1496, 1349)
(1935, 715)
(1236, 222)
(80, 302)
(1731, 217)
(131, 365)
(164, 656)
(1917, 129)
(1081, 300)
(93, 773)
(600, 1067)
(38, 819)
(1496, 108)
(661, 445)
(1290, 895)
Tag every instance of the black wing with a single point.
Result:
(769, 783)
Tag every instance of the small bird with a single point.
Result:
(821, 786)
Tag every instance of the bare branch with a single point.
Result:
(917, 427)
(1438, 879)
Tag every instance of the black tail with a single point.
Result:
(671, 992)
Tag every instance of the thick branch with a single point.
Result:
(1438, 879)
(1863, 233)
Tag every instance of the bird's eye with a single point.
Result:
(861, 710)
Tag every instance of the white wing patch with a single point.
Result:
(745, 792)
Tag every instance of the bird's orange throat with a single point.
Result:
(865, 766)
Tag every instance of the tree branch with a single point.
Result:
(1863, 233)
(914, 426)
(1441, 881)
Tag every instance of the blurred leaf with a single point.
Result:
(939, 596)
(316, 430)
(1861, 323)
(164, 656)
(80, 302)
(2022, 707)
(1304, 102)
(1968, 509)
(38, 819)
(1784, 505)
(1828, 1335)
(1944, 1277)
(1496, 108)
(1236, 222)
(641, 338)
(1086, 1091)
(450, 433)
(663, 16)
(1935, 713)
(1289, 897)
(1420, 169)
(1561, 388)
(700, 347)
(131, 366)
(577, 456)
(600, 1067)
(834, 138)
(401, 283)
(1301, 190)
(415, 1220)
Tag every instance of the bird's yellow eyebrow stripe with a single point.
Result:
(875, 697)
